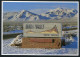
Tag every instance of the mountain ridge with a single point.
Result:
(24, 15)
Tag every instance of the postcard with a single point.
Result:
(40, 28)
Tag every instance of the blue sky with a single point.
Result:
(17, 6)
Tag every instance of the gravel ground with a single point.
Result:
(65, 50)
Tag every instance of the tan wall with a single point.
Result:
(28, 43)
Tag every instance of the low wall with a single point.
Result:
(41, 43)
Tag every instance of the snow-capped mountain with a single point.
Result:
(60, 13)
(23, 16)
(29, 16)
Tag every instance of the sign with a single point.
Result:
(42, 30)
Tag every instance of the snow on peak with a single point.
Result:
(60, 12)
(57, 13)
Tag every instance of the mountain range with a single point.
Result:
(24, 15)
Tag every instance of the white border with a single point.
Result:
(46, 1)
(41, 54)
